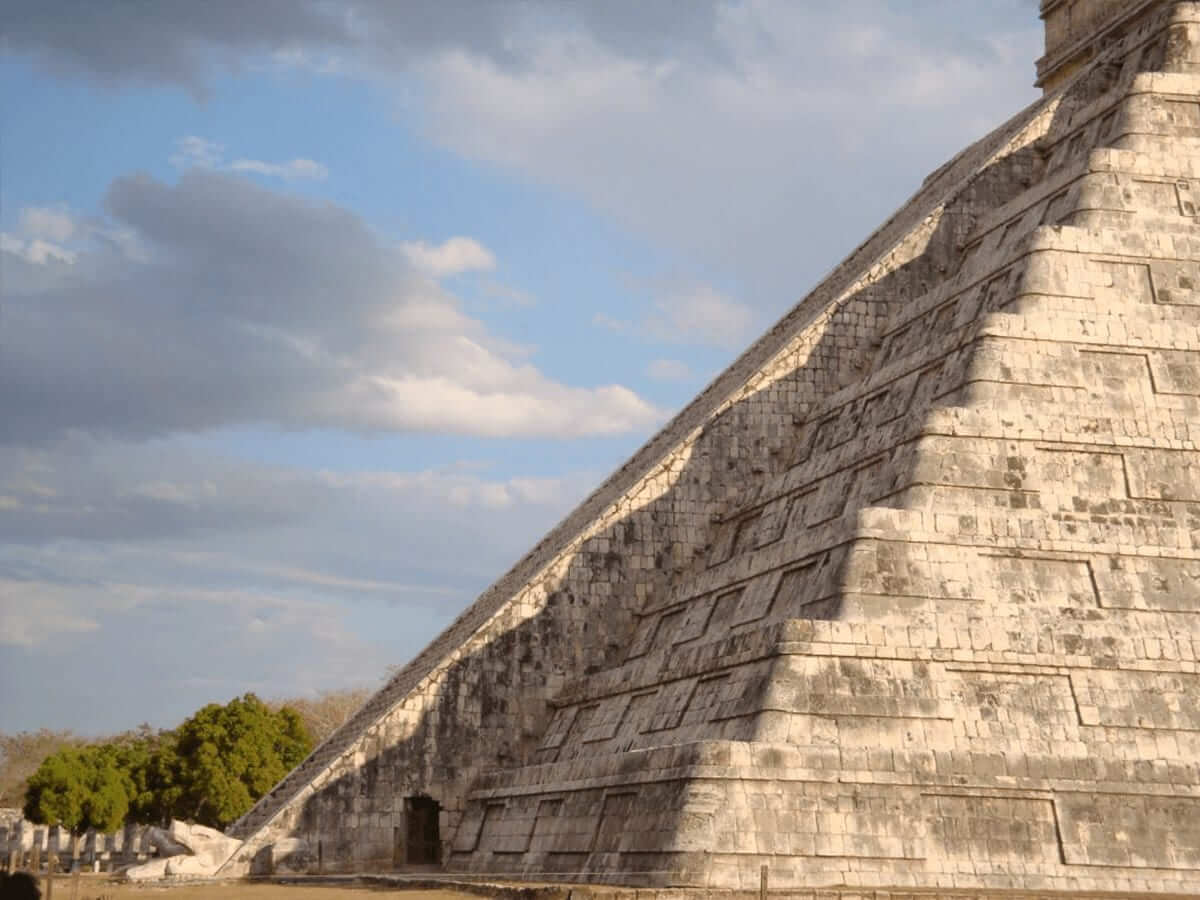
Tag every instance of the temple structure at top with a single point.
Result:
(908, 596)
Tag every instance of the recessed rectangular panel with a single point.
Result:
(1136, 830)
(997, 294)
(506, 829)
(1148, 582)
(545, 825)
(672, 700)
(876, 409)
(797, 589)
(1007, 710)
(614, 819)
(559, 726)
(695, 619)
(829, 500)
(941, 320)
(1034, 580)
(757, 599)
(1175, 372)
(1076, 477)
(924, 387)
(1155, 196)
(1175, 282)
(668, 626)
(993, 829)
(871, 482)
(1183, 116)
(773, 521)
(1163, 474)
(722, 546)
(635, 720)
(607, 718)
(744, 537)
(643, 636)
(723, 610)
(705, 699)
(1122, 283)
(1120, 698)
(798, 511)
(466, 839)
(1056, 208)
(574, 829)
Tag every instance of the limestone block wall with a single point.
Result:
(968, 463)
(1002, 515)
(1077, 29)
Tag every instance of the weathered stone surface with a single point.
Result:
(207, 845)
(164, 841)
(154, 870)
(185, 850)
(910, 596)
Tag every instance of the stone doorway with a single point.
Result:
(423, 844)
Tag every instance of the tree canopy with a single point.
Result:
(80, 788)
(210, 770)
(226, 757)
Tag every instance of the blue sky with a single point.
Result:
(317, 315)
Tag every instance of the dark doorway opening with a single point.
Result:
(423, 846)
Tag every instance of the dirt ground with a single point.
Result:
(103, 887)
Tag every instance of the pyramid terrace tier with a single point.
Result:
(1089, 718)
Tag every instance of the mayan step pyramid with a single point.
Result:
(909, 595)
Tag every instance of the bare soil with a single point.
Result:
(104, 887)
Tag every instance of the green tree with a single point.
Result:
(80, 788)
(210, 770)
(226, 757)
(149, 759)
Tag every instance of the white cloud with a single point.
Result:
(182, 635)
(32, 613)
(748, 144)
(194, 152)
(714, 128)
(51, 224)
(508, 294)
(35, 250)
(277, 310)
(297, 168)
(669, 369)
(197, 153)
(84, 489)
(701, 315)
(452, 257)
(697, 314)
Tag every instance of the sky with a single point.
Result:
(316, 314)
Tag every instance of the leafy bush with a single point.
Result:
(210, 770)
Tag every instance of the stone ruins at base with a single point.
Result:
(909, 595)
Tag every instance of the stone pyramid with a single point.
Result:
(908, 596)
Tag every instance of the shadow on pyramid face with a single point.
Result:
(879, 601)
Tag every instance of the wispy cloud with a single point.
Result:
(296, 168)
(452, 257)
(669, 370)
(194, 152)
(508, 294)
(696, 314)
